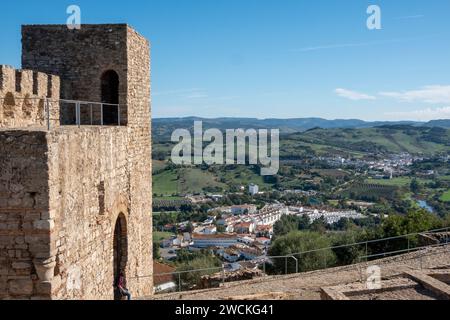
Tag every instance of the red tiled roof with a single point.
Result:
(264, 227)
(243, 225)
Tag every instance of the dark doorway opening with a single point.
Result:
(120, 248)
(110, 97)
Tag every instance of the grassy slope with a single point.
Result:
(165, 183)
(183, 181)
(160, 236)
(194, 180)
(446, 196)
(158, 165)
(394, 141)
(397, 182)
(243, 175)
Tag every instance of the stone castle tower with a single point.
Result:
(75, 164)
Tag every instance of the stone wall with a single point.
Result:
(88, 186)
(23, 95)
(90, 179)
(61, 193)
(139, 153)
(80, 58)
(24, 215)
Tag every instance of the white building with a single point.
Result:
(211, 229)
(253, 189)
(214, 240)
(236, 209)
(242, 209)
(335, 216)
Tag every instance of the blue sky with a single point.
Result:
(276, 59)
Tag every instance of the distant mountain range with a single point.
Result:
(163, 127)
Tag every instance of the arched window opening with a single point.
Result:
(110, 97)
(120, 248)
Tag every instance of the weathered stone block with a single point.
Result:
(20, 287)
(21, 265)
(44, 224)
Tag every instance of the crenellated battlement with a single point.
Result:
(28, 82)
(23, 95)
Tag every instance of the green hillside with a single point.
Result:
(170, 180)
(387, 139)
(189, 180)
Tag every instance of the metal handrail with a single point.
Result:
(403, 251)
(78, 104)
(371, 241)
(181, 272)
(420, 257)
(292, 256)
(281, 257)
(289, 256)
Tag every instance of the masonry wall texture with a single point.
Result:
(25, 96)
(75, 202)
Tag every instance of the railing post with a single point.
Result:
(285, 265)
(296, 264)
(223, 275)
(118, 113)
(91, 114)
(101, 114)
(78, 114)
(367, 250)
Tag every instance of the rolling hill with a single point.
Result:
(163, 127)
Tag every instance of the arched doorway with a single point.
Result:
(110, 97)
(120, 248)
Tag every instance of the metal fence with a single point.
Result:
(294, 263)
(73, 112)
(183, 283)
(369, 249)
(420, 258)
(189, 279)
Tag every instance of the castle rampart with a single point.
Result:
(75, 201)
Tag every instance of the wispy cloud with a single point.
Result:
(192, 93)
(177, 92)
(356, 44)
(427, 94)
(353, 95)
(421, 115)
(417, 16)
(196, 95)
